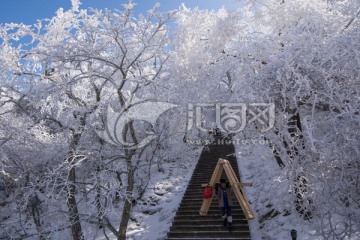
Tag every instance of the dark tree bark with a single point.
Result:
(128, 202)
(293, 149)
(76, 229)
(292, 146)
(276, 154)
(35, 212)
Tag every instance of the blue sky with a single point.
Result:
(28, 11)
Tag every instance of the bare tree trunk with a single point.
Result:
(292, 147)
(36, 215)
(276, 154)
(128, 202)
(300, 181)
(76, 229)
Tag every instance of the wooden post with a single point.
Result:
(235, 184)
(239, 193)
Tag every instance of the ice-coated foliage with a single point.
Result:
(56, 86)
(304, 57)
(58, 77)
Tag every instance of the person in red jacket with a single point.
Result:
(225, 198)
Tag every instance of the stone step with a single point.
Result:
(212, 210)
(212, 213)
(202, 178)
(228, 238)
(207, 217)
(197, 204)
(198, 181)
(196, 195)
(219, 227)
(214, 204)
(208, 171)
(214, 234)
(213, 207)
(193, 198)
(196, 192)
(205, 179)
(241, 222)
(188, 224)
(206, 168)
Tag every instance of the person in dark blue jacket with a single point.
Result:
(225, 197)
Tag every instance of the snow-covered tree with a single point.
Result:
(58, 86)
(301, 56)
(61, 81)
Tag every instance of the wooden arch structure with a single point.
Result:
(235, 184)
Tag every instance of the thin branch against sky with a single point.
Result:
(28, 12)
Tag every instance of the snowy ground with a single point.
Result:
(270, 191)
(153, 217)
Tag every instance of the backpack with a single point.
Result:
(208, 192)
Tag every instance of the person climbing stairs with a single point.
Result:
(188, 224)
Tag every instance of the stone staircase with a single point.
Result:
(188, 224)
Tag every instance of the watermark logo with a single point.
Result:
(233, 117)
(229, 141)
(262, 114)
(229, 118)
(138, 110)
